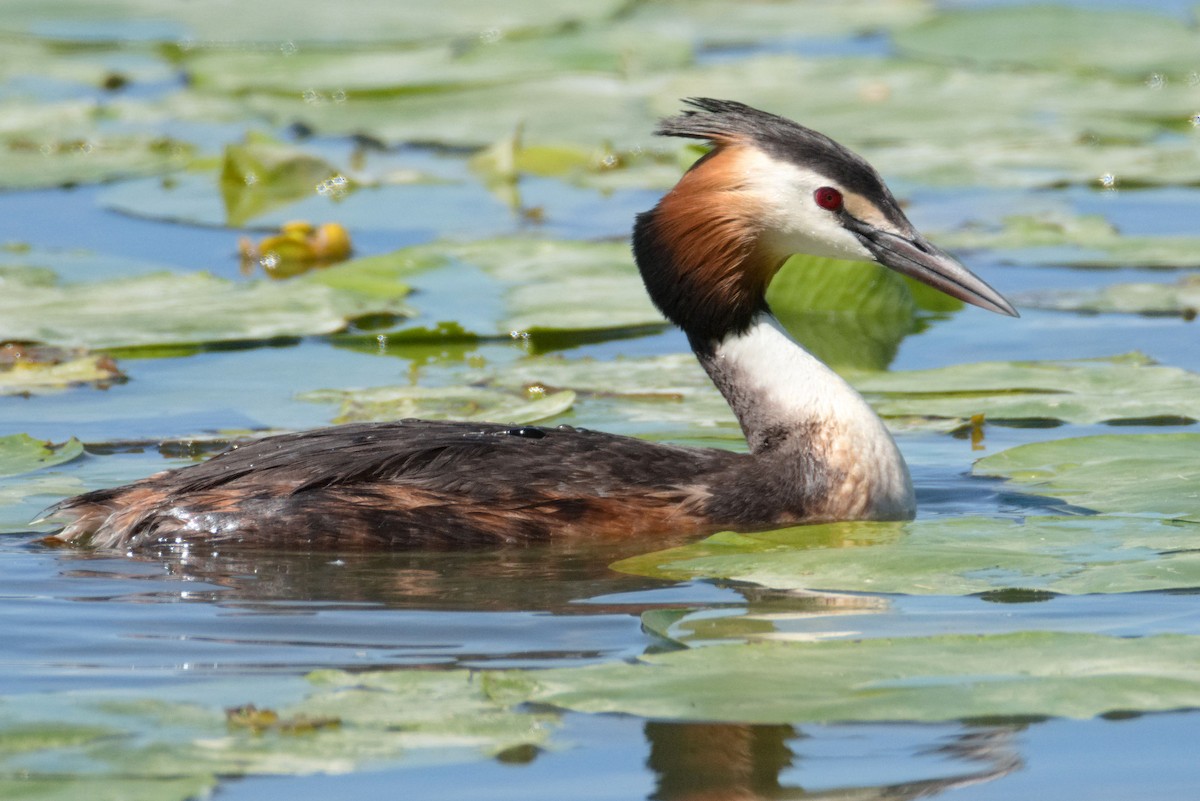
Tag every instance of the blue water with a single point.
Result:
(71, 621)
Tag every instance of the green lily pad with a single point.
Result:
(945, 556)
(588, 111)
(441, 403)
(914, 679)
(339, 76)
(343, 724)
(1076, 241)
(262, 174)
(552, 285)
(1076, 391)
(21, 453)
(1155, 475)
(371, 21)
(851, 315)
(169, 308)
(711, 23)
(39, 377)
(30, 161)
(1018, 128)
(1129, 43)
(667, 394)
(1181, 299)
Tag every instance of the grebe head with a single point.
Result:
(768, 189)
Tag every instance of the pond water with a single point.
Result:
(149, 649)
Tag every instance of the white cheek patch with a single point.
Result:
(793, 222)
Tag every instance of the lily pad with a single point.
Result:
(589, 111)
(425, 716)
(1155, 475)
(43, 373)
(1120, 388)
(262, 174)
(914, 679)
(114, 20)
(1018, 128)
(344, 76)
(1181, 299)
(711, 23)
(668, 394)
(851, 315)
(168, 308)
(21, 453)
(442, 403)
(1129, 43)
(945, 556)
(1076, 241)
(553, 285)
(32, 162)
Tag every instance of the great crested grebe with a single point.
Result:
(769, 188)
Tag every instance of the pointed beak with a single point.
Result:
(918, 259)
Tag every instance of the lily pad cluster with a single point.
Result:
(231, 126)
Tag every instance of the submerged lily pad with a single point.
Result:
(21, 453)
(1129, 43)
(1129, 387)
(169, 308)
(913, 679)
(1155, 475)
(1181, 299)
(441, 403)
(945, 556)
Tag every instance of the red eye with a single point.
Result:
(828, 198)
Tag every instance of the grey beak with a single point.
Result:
(919, 259)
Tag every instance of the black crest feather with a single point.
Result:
(725, 121)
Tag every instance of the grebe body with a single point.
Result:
(769, 188)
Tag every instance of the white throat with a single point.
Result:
(787, 400)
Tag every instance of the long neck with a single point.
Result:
(792, 407)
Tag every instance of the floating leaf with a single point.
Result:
(167, 308)
(1129, 387)
(588, 111)
(1018, 128)
(849, 314)
(441, 403)
(656, 394)
(28, 370)
(554, 285)
(1128, 43)
(759, 21)
(339, 76)
(913, 679)
(1181, 298)
(43, 159)
(1146, 474)
(1076, 241)
(945, 556)
(194, 24)
(263, 174)
(21, 453)
(445, 716)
